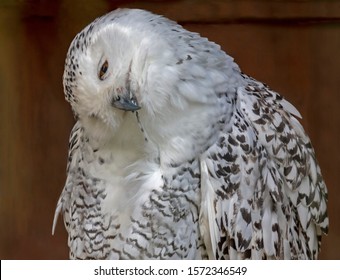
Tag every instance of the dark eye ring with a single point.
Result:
(103, 70)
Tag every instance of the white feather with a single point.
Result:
(207, 214)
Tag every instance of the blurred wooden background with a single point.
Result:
(293, 46)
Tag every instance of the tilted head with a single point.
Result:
(132, 59)
(98, 79)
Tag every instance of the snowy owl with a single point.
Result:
(177, 154)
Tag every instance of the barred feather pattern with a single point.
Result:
(270, 200)
(159, 222)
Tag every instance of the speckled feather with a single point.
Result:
(213, 165)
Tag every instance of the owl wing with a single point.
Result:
(263, 196)
(74, 156)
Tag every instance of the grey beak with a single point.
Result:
(125, 102)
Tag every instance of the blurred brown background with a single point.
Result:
(293, 46)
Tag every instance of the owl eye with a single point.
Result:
(103, 70)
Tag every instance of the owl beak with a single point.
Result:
(126, 102)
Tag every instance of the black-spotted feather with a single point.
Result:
(270, 199)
